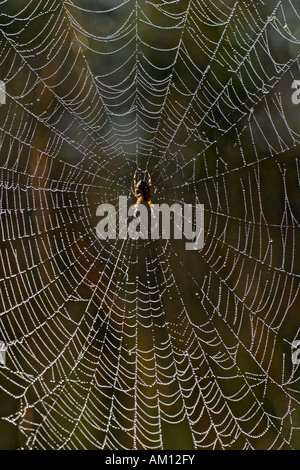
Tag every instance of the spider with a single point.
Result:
(142, 192)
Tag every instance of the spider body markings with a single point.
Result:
(142, 191)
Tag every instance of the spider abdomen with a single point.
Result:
(144, 190)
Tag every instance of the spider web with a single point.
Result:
(140, 344)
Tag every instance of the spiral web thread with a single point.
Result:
(140, 344)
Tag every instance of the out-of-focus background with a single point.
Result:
(141, 344)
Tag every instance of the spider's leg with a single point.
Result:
(155, 190)
(137, 206)
(133, 192)
(151, 206)
(149, 183)
(134, 179)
